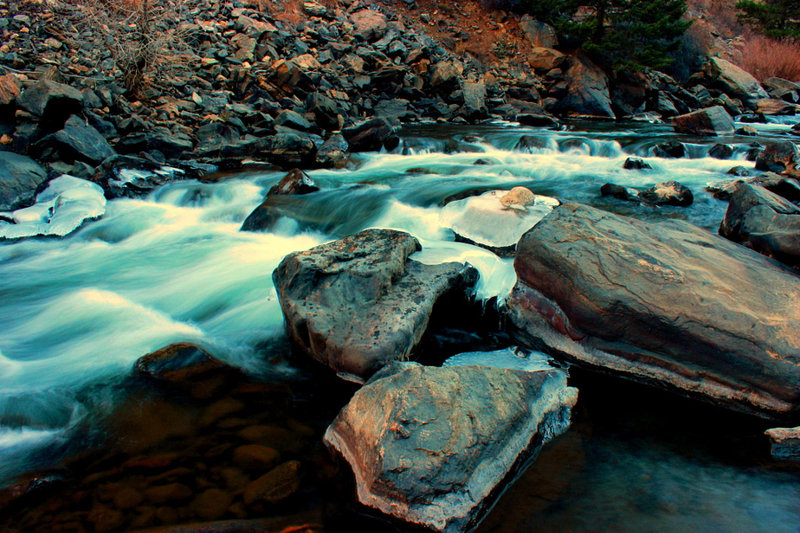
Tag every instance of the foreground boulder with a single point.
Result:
(664, 303)
(432, 446)
(359, 303)
(496, 219)
(785, 443)
(763, 221)
(60, 209)
(20, 176)
(709, 121)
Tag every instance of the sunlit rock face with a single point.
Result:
(59, 210)
(665, 303)
(433, 445)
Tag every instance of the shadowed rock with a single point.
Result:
(433, 446)
(709, 121)
(662, 303)
(359, 303)
(785, 443)
(20, 176)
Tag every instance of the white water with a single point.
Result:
(77, 312)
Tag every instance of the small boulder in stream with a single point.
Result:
(780, 156)
(710, 121)
(433, 446)
(265, 215)
(663, 303)
(359, 303)
(667, 193)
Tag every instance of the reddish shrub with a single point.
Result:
(766, 58)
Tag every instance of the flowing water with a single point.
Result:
(77, 312)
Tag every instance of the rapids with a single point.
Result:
(76, 312)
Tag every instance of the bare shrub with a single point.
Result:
(764, 57)
(142, 37)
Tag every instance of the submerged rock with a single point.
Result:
(60, 209)
(785, 443)
(619, 192)
(358, 303)
(633, 163)
(433, 446)
(496, 219)
(664, 303)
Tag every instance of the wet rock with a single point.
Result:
(663, 303)
(538, 33)
(370, 135)
(369, 276)
(496, 219)
(173, 492)
(618, 191)
(709, 121)
(667, 193)
(672, 149)
(52, 102)
(255, 457)
(212, 504)
(587, 90)
(740, 171)
(64, 206)
(265, 215)
(131, 177)
(779, 156)
(633, 163)
(721, 151)
(274, 486)
(763, 221)
(189, 368)
(785, 443)
(79, 141)
(20, 176)
(432, 446)
(530, 144)
(538, 120)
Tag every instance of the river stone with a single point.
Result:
(60, 209)
(263, 217)
(667, 193)
(664, 303)
(736, 82)
(20, 176)
(432, 446)
(485, 221)
(763, 221)
(785, 443)
(359, 303)
(779, 156)
(709, 121)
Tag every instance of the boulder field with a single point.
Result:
(666, 304)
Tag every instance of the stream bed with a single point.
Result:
(77, 312)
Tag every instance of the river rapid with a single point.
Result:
(77, 312)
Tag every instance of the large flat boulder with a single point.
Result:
(358, 303)
(664, 303)
(433, 446)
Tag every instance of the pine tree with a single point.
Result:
(775, 18)
(623, 34)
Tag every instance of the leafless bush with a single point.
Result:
(142, 37)
(766, 58)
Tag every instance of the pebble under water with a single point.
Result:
(78, 311)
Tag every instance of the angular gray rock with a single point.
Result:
(358, 303)
(710, 121)
(779, 156)
(433, 446)
(52, 102)
(19, 178)
(666, 304)
(735, 82)
(80, 141)
(538, 33)
(763, 221)
(785, 443)
(587, 90)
